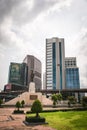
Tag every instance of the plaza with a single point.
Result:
(9, 121)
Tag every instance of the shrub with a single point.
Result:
(36, 107)
(54, 98)
(1, 101)
(59, 96)
(44, 111)
(35, 119)
(22, 103)
(18, 105)
(18, 112)
(71, 100)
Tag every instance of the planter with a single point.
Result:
(18, 112)
(35, 119)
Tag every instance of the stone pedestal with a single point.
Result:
(32, 87)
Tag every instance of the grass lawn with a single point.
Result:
(72, 120)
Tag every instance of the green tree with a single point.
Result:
(18, 105)
(71, 100)
(1, 101)
(36, 107)
(54, 99)
(59, 96)
(22, 103)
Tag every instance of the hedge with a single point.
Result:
(18, 112)
(35, 119)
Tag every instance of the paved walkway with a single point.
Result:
(9, 121)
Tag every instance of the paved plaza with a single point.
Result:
(9, 121)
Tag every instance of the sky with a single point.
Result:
(25, 25)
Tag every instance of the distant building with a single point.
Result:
(55, 63)
(71, 73)
(17, 75)
(70, 62)
(34, 71)
(61, 72)
(44, 81)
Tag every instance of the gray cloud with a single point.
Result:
(21, 10)
(15, 13)
(7, 7)
(82, 56)
(83, 45)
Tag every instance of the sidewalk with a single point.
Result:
(9, 121)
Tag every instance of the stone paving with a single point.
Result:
(9, 121)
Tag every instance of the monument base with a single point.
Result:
(32, 87)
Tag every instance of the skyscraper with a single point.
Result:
(34, 71)
(44, 80)
(18, 74)
(71, 73)
(17, 78)
(55, 63)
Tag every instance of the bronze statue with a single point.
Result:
(32, 76)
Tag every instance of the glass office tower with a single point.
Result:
(34, 67)
(55, 63)
(72, 73)
(18, 73)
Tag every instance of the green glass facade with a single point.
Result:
(18, 73)
(54, 64)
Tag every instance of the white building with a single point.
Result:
(55, 63)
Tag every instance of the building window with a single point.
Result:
(54, 65)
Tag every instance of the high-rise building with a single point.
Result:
(55, 63)
(71, 73)
(61, 72)
(17, 75)
(34, 71)
(44, 80)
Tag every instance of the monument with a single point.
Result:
(32, 84)
(30, 96)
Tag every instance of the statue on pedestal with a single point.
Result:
(32, 84)
(32, 76)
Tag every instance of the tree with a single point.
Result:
(18, 105)
(36, 107)
(22, 103)
(54, 99)
(59, 97)
(1, 101)
(71, 100)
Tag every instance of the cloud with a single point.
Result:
(83, 42)
(18, 32)
(16, 13)
(23, 11)
(7, 7)
(82, 58)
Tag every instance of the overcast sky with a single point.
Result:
(25, 24)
